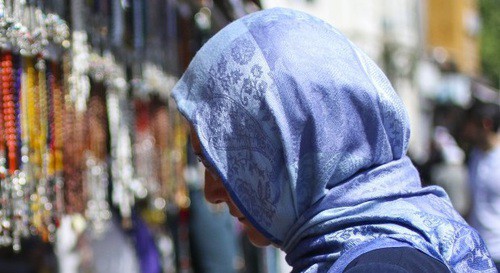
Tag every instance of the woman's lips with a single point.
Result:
(236, 215)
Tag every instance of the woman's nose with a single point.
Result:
(214, 189)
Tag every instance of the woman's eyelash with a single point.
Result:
(204, 163)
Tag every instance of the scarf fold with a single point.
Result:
(310, 139)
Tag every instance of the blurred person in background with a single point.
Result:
(447, 166)
(481, 130)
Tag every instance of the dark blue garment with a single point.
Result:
(396, 260)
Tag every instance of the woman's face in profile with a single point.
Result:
(216, 193)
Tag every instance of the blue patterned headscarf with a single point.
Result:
(309, 139)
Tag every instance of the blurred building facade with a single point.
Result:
(452, 33)
(390, 32)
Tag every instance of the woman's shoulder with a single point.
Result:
(396, 260)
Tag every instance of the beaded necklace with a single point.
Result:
(30, 136)
(19, 76)
(72, 130)
(121, 150)
(55, 164)
(148, 159)
(9, 119)
(9, 110)
(179, 147)
(3, 160)
(162, 134)
(53, 216)
(96, 175)
(43, 190)
(75, 133)
(34, 137)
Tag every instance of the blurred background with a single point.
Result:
(97, 173)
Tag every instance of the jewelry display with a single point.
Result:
(87, 126)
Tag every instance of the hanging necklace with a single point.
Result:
(55, 168)
(73, 132)
(96, 178)
(9, 115)
(3, 162)
(121, 163)
(180, 142)
(164, 139)
(43, 189)
(9, 110)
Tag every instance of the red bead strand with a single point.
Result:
(9, 111)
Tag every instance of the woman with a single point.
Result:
(305, 140)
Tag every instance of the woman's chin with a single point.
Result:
(257, 239)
